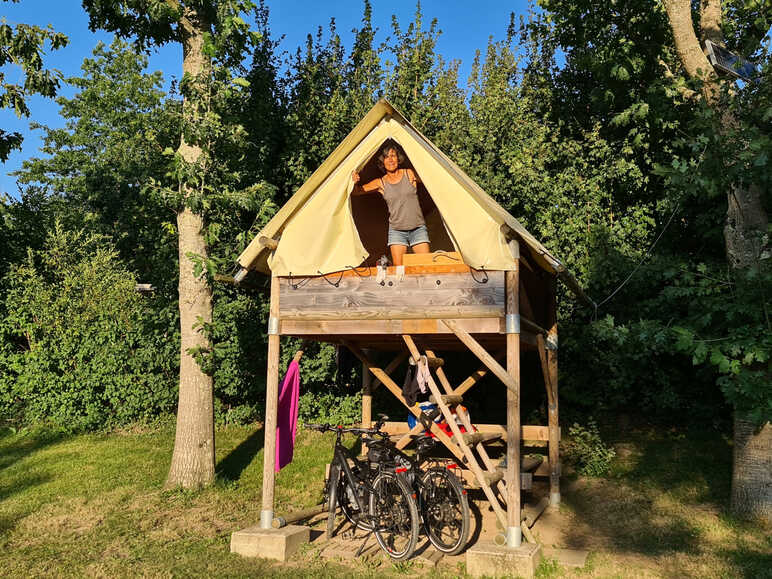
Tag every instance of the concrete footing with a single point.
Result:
(496, 561)
(277, 544)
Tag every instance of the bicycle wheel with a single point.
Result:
(394, 515)
(445, 510)
(350, 507)
(332, 491)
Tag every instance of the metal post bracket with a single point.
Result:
(512, 324)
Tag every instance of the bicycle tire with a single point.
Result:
(350, 509)
(444, 510)
(395, 516)
(332, 486)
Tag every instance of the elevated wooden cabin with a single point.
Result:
(488, 287)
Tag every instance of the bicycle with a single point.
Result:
(377, 500)
(442, 500)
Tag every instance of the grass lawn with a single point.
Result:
(93, 505)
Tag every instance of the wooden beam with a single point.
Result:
(552, 366)
(527, 432)
(393, 365)
(482, 354)
(367, 402)
(512, 477)
(268, 243)
(525, 303)
(379, 312)
(271, 408)
(542, 348)
(390, 327)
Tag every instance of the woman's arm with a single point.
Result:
(372, 186)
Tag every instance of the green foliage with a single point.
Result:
(22, 45)
(587, 451)
(80, 347)
(330, 407)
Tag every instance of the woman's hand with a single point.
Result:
(355, 177)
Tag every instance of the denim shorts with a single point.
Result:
(410, 237)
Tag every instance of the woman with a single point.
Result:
(407, 227)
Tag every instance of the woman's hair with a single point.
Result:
(388, 146)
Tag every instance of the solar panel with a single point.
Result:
(728, 62)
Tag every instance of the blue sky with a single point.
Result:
(463, 32)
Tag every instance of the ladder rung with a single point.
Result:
(472, 437)
(447, 399)
(493, 477)
(432, 361)
(531, 463)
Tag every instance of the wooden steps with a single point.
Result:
(447, 399)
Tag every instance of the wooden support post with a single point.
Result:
(512, 477)
(367, 402)
(552, 363)
(271, 407)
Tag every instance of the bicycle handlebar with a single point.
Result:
(351, 429)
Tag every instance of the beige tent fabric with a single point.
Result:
(316, 230)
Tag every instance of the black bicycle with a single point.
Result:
(373, 496)
(442, 500)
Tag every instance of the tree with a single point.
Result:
(116, 128)
(213, 38)
(746, 235)
(23, 46)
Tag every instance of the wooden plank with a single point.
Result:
(271, 408)
(412, 280)
(528, 432)
(483, 355)
(394, 313)
(448, 399)
(402, 297)
(532, 512)
(394, 326)
(434, 258)
(398, 298)
(545, 469)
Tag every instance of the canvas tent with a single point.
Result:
(318, 233)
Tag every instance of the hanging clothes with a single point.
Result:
(416, 379)
(287, 417)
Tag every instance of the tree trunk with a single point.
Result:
(751, 484)
(193, 458)
(746, 240)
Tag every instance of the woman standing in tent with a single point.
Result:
(399, 187)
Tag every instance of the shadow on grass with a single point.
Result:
(231, 467)
(15, 447)
(646, 509)
(752, 564)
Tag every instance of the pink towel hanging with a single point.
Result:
(287, 418)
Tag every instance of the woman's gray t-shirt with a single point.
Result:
(402, 199)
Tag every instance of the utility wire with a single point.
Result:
(640, 263)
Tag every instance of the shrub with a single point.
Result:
(330, 407)
(586, 450)
(80, 347)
